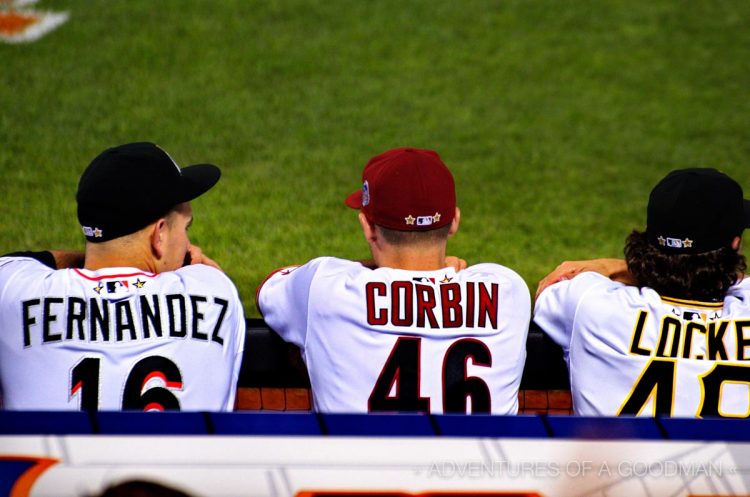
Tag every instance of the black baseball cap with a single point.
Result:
(128, 187)
(696, 210)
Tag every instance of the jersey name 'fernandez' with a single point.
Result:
(53, 319)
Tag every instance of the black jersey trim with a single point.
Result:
(693, 303)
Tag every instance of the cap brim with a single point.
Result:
(354, 200)
(197, 180)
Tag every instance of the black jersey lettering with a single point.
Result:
(677, 337)
(124, 321)
(198, 316)
(224, 304)
(58, 319)
(635, 343)
(28, 320)
(150, 316)
(48, 318)
(99, 319)
(742, 340)
(715, 340)
(76, 318)
(177, 319)
(671, 328)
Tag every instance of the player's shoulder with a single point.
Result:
(741, 286)
(26, 262)
(331, 266)
(201, 271)
(22, 276)
(494, 271)
(591, 278)
(739, 292)
(315, 269)
(584, 287)
(594, 290)
(196, 276)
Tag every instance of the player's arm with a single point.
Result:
(196, 256)
(614, 269)
(65, 259)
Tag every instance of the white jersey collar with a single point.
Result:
(112, 272)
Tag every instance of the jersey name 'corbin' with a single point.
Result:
(98, 320)
(404, 303)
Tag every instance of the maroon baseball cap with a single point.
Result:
(406, 189)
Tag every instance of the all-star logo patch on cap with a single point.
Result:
(128, 187)
(696, 210)
(406, 189)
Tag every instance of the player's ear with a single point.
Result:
(455, 222)
(736, 243)
(368, 228)
(158, 237)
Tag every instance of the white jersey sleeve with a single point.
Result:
(281, 300)
(392, 340)
(555, 309)
(118, 338)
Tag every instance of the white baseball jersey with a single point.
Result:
(631, 351)
(118, 338)
(392, 340)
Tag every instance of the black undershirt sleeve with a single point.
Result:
(44, 257)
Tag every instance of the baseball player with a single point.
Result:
(407, 332)
(134, 328)
(667, 331)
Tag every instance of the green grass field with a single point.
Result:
(557, 117)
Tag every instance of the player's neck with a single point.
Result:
(100, 257)
(413, 259)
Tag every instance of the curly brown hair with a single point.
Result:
(704, 277)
